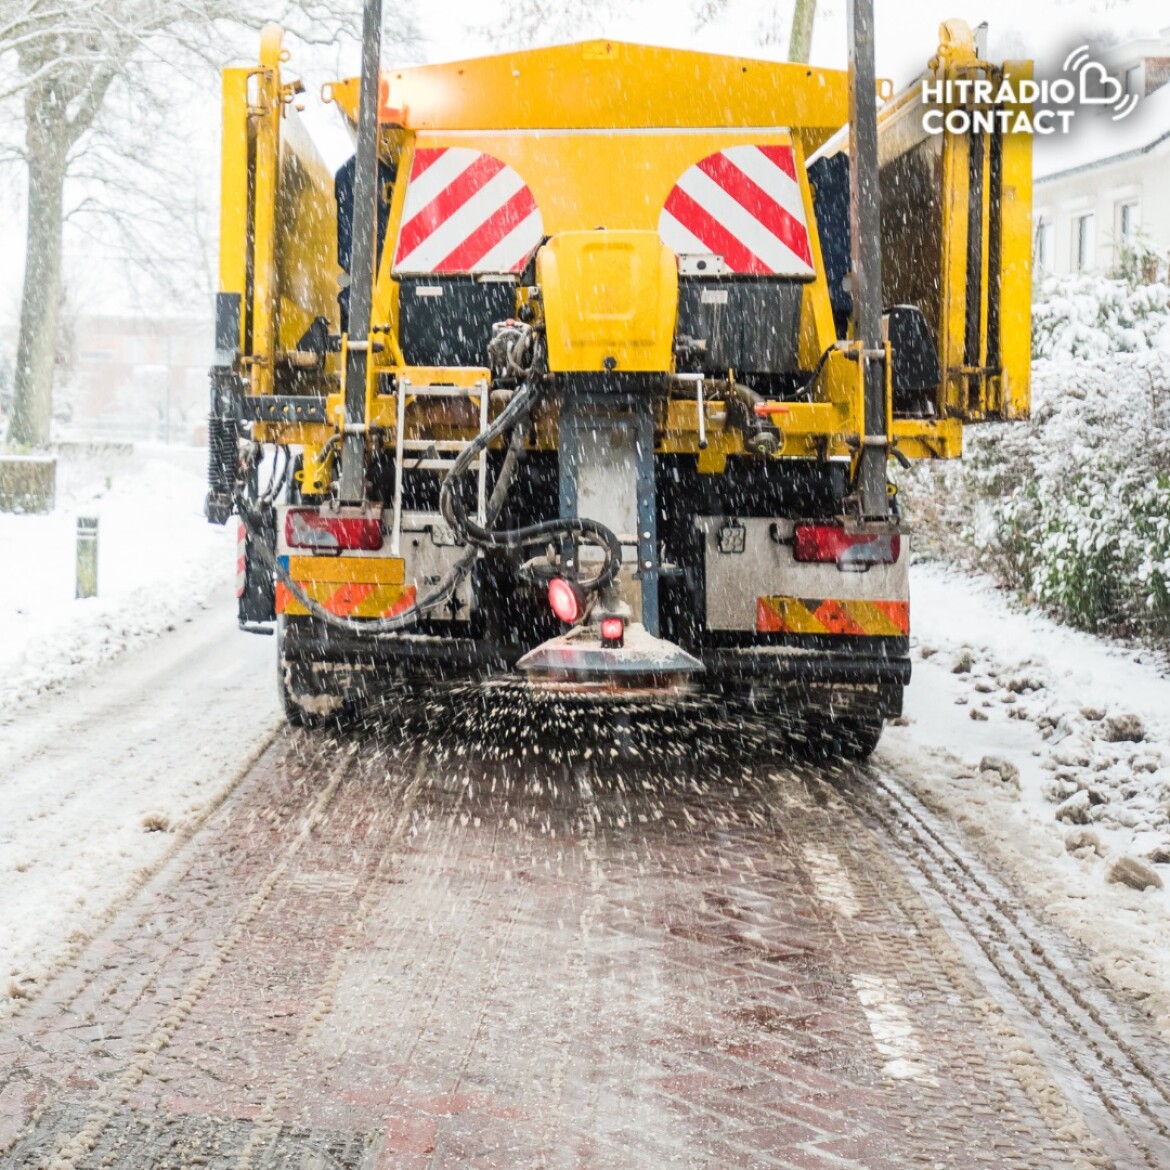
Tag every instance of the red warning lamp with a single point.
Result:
(567, 599)
(613, 632)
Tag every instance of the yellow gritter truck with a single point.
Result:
(610, 426)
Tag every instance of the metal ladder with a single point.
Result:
(403, 446)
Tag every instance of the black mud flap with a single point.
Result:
(257, 602)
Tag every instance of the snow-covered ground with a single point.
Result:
(1071, 510)
(1052, 747)
(159, 560)
(102, 781)
(125, 718)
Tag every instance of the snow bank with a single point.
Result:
(106, 781)
(159, 560)
(1052, 745)
(1085, 724)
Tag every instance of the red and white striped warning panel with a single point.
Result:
(744, 206)
(465, 211)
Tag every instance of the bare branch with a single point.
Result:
(99, 83)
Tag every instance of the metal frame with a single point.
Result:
(405, 389)
(865, 224)
(601, 410)
(753, 96)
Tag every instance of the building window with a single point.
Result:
(1129, 219)
(1084, 241)
(1042, 253)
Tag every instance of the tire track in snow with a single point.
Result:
(269, 1123)
(1104, 1073)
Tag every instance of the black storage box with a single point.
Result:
(749, 325)
(447, 320)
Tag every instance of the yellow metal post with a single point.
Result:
(1015, 278)
(235, 244)
(265, 111)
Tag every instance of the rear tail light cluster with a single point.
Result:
(857, 551)
(309, 528)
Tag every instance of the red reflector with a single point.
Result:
(308, 528)
(566, 599)
(613, 632)
(849, 550)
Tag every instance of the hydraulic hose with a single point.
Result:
(455, 512)
(252, 518)
(478, 536)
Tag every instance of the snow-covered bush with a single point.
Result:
(1087, 316)
(1072, 509)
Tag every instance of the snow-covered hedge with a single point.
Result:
(1092, 316)
(1072, 509)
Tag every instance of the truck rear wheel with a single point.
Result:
(304, 705)
(855, 738)
(848, 722)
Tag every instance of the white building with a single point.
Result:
(1105, 188)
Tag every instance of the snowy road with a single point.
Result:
(445, 952)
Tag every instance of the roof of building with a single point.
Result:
(1096, 140)
(1138, 49)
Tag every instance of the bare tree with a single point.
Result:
(62, 60)
(769, 29)
(804, 16)
(529, 23)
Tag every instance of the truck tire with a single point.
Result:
(851, 732)
(857, 737)
(815, 736)
(302, 706)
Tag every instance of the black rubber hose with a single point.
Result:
(374, 627)
(514, 414)
(455, 513)
(807, 388)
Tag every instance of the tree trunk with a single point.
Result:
(800, 41)
(40, 305)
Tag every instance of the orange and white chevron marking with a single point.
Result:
(355, 600)
(745, 205)
(465, 211)
(353, 587)
(804, 615)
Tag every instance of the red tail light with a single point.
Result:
(308, 528)
(567, 599)
(848, 550)
(613, 632)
